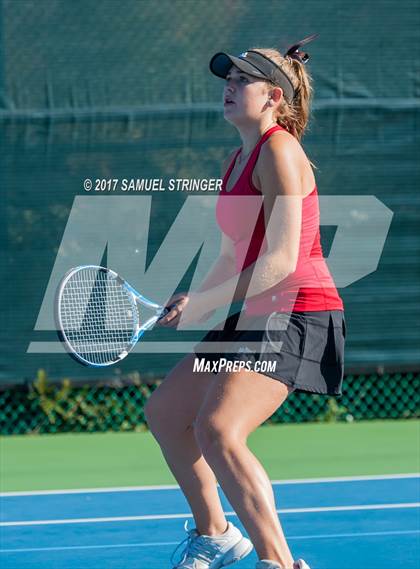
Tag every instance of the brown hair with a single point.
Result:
(293, 116)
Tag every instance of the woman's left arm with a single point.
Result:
(279, 178)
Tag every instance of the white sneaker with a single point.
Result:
(267, 564)
(300, 564)
(212, 551)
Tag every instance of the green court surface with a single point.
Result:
(49, 462)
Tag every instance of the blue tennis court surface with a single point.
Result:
(355, 523)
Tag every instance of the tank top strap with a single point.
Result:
(232, 164)
(255, 153)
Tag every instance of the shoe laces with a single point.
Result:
(197, 547)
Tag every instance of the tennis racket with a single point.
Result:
(99, 316)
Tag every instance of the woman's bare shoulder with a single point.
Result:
(281, 149)
(282, 141)
(283, 153)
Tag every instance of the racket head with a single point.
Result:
(97, 317)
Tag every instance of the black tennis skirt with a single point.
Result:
(304, 350)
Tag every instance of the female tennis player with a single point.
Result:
(271, 258)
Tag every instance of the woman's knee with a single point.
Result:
(165, 418)
(152, 411)
(174, 405)
(157, 413)
(212, 435)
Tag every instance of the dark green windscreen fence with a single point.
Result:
(122, 90)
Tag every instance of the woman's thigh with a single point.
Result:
(237, 403)
(175, 403)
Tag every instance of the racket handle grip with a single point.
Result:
(166, 310)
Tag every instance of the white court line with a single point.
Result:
(163, 543)
(176, 487)
(189, 515)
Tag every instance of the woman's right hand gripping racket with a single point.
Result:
(99, 315)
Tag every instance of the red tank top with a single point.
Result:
(310, 287)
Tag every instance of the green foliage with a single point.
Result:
(334, 412)
(88, 408)
(50, 398)
(47, 407)
(63, 404)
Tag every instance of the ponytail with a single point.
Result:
(294, 116)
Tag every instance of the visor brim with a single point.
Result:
(221, 63)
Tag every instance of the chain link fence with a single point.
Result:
(44, 407)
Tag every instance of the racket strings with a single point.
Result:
(99, 317)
